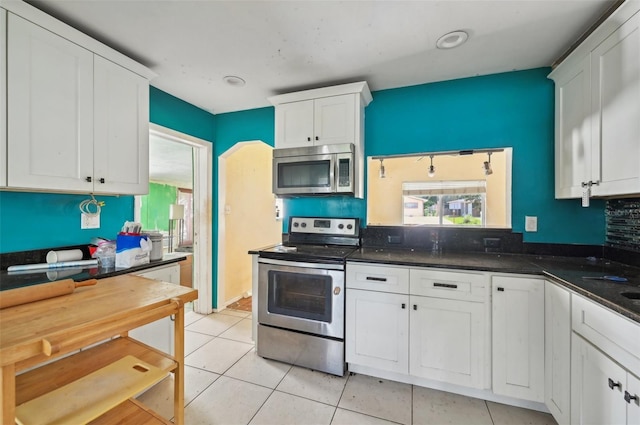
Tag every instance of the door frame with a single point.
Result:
(202, 223)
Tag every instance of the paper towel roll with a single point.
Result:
(66, 255)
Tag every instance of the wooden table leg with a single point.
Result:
(8, 393)
(178, 391)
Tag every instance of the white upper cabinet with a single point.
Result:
(324, 116)
(615, 108)
(50, 110)
(597, 135)
(573, 132)
(121, 138)
(77, 111)
(3, 97)
(324, 121)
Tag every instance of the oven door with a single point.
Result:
(306, 297)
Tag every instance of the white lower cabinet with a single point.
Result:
(557, 351)
(432, 337)
(377, 330)
(447, 341)
(518, 337)
(599, 386)
(159, 334)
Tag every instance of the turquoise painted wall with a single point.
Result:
(512, 109)
(45, 220)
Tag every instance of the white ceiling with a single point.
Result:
(283, 46)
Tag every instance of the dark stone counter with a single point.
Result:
(567, 271)
(11, 280)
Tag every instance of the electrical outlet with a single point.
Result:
(89, 221)
(530, 223)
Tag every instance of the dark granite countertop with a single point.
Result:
(11, 280)
(567, 271)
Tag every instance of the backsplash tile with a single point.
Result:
(623, 224)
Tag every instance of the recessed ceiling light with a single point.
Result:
(234, 81)
(452, 39)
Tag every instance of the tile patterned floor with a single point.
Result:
(226, 382)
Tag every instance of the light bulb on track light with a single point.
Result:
(432, 169)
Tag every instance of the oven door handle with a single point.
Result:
(323, 266)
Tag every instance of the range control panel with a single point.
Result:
(323, 225)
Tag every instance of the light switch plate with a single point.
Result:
(89, 221)
(530, 223)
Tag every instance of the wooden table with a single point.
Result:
(38, 332)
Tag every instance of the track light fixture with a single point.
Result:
(432, 169)
(487, 165)
(382, 175)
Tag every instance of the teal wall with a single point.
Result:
(45, 220)
(514, 109)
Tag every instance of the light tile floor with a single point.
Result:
(226, 382)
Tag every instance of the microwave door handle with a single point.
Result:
(334, 172)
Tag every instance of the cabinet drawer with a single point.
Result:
(383, 277)
(617, 336)
(450, 285)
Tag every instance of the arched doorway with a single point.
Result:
(246, 216)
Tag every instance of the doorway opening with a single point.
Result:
(191, 196)
(247, 217)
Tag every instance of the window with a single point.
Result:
(445, 203)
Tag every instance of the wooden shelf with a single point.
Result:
(131, 412)
(45, 379)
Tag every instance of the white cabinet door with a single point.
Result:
(557, 351)
(447, 340)
(518, 337)
(573, 130)
(615, 84)
(3, 97)
(632, 398)
(335, 119)
(159, 334)
(294, 124)
(50, 110)
(596, 386)
(121, 152)
(377, 330)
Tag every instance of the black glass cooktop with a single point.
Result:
(308, 253)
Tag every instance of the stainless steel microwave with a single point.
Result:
(314, 170)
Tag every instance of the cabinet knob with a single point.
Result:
(102, 180)
(308, 139)
(415, 306)
(317, 138)
(628, 397)
(89, 179)
(500, 289)
(613, 384)
(404, 306)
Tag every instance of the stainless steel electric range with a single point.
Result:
(301, 293)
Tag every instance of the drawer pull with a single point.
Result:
(445, 285)
(377, 279)
(612, 384)
(415, 306)
(404, 306)
(628, 397)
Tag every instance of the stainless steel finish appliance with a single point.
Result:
(301, 293)
(314, 170)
